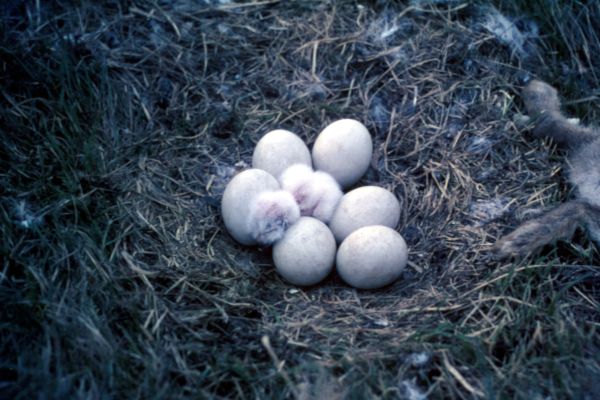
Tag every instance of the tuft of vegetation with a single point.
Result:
(122, 122)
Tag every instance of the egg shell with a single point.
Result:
(306, 253)
(344, 150)
(238, 198)
(372, 257)
(278, 150)
(364, 206)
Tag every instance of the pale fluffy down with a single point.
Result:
(316, 193)
(295, 177)
(271, 213)
(330, 195)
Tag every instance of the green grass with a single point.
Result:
(121, 125)
(60, 169)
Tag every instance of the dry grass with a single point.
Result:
(122, 124)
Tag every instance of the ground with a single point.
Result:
(122, 123)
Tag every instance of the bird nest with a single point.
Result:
(123, 279)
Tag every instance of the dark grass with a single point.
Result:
(122, 123)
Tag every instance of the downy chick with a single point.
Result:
(316, 192)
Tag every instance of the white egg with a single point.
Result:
(278, 150)
(255, 210)
(344, 150)
(306, 253)
(364, 206)
(372, 257)
(316, 193)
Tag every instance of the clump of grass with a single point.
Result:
(122, 123)
(60, 217)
